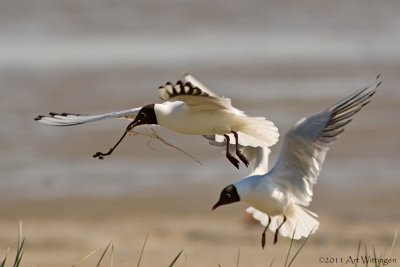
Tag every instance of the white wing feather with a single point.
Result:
(301, 158)
(69, 119)
(193, 97)
(306, 144)
(190, 78)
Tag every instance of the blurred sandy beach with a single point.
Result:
(278, 59)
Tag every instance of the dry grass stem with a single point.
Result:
(152, 134)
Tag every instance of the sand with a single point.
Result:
(59, 232)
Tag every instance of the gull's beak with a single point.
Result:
(216, 205)
(134, 124)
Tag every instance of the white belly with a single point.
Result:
(263, 195)
(178, 119)
(274, 204)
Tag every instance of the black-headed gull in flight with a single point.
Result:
(278, 196)
(189, 108)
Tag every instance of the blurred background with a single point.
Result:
(278, 59)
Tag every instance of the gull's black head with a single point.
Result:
(228, 195)
(146, 115)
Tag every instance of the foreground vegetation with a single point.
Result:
(361, 259)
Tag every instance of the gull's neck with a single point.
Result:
(246, 186)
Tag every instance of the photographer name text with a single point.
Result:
(355, 260)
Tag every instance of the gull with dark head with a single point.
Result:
(189, 108)
(278, 197)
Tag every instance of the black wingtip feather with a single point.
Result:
(371, 94)
(364, 104)
(351, 104)
(332, 135)
(333, 126)
(179, 89)
(63, 114)
(38, 118)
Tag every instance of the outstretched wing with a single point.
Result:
(194, 97)
(69, 119)
(190, 78)
(306, 144)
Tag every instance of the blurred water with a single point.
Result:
(51, 34)
(202, 48)
(280, 59)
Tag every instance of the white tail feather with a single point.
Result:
(254, 132)
(297, 218)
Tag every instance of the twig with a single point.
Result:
(154, 135)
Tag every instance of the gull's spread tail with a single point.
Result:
(253, 132)
(299, 221)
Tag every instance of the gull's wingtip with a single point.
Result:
(378, 80)
(38, 118)
(50, 115)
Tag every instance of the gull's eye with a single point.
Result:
(228, 195)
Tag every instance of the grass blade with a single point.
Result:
(141, 253)
(112, 256)
(103, 254)
(176, 258)
(395, 237)
(272, 262)
(358, 252)
(3, 262)
(87, 256)
(20, 253)
(373, 250)
(238, 258)
(186, 260)
(301, 247)
(20, 247)
(290, 247)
